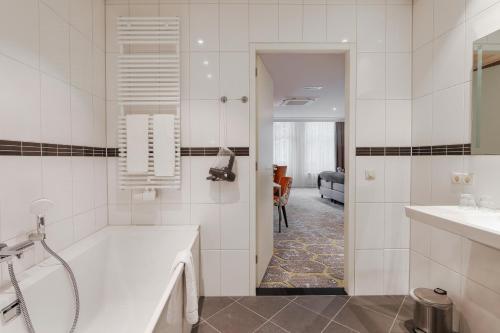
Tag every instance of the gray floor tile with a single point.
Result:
(207, 306)
(266, 306)
(295, 318)
(203, 327)
(333, 327)
(401, 326)
(387, 305)
(236, 318)
(269, 327)
(406, 311)
(327, 306)
(364, 320)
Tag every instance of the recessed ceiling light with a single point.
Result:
(205, 62)
(313, 88)
(201, 41)
(334, 109)
(345, 40)
(209, 76)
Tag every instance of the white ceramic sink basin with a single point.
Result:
(479, 225)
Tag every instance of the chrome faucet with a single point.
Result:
(17, 250)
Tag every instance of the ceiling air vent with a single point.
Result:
(297, 101)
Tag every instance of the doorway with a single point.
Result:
(302, 103)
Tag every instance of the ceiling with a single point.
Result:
(292, 72)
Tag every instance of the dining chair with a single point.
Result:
(286, 185)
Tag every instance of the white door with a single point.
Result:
(264, 188)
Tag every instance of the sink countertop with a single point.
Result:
(482, 226)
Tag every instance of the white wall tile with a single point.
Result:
(204, 27)
(235, 131)
(422, 71)
(234, 27)
(398, 123)
(99, 73)
(57, 185)
(446, 249)
(82, 118)
(444, 192)
(19, 30)
(369, 272)
(182, 195)
(115, 195)
(100, 182)
(421, 130)
(120, 214)
(235, 273)
(21, 183)
(421, 182)
(207, 216)
(210, 277)
(55, 111)
(448, 117)
(290, 23)
(203, 190)
(81, 60)
(234, 71)
(81, 16)
(234, 220)
(314, 25)
(371, 76)
(204, 75)
(370, 225)
(370, 190)
(370, 123)
(83, 184)
(101, 217)
(99, 23)
(447, 15)
(20, 101)
(423, 22)
(99, 114)
(60, 235)
(397, 178)
(112, 13)
(371, 29)
(84, 224)
(61, 7)
(175, 214)
(397, 227)
(146, 213)
(263, 23)
(449, 58)
(398, 76)
(205, 121)
(54, 44)
(396, 272)
(341, 23)
(399, 28)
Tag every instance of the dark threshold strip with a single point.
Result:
(299, 291)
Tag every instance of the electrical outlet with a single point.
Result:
(468, 178)
(456, 178)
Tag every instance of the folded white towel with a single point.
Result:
(164, 144)
(137, 143)
(191, 293)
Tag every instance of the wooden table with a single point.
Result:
(278, 186)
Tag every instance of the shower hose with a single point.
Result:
(22, 303)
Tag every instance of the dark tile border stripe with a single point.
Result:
(299, 291)
(456, 149)
(25, 148)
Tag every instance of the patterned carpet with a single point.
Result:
(310, 252)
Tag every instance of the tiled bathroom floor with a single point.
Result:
(308, 314)
(310, 252)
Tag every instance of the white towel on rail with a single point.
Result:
(137, 143)
(190, 293)
(164, 144)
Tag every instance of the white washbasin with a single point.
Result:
(482, 226)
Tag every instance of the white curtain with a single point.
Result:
(307, 148)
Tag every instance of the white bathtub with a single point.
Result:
(123, 274)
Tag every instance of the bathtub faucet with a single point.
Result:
(7, 252)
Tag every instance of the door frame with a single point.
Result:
(349, 50)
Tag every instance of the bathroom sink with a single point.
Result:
(476, 224)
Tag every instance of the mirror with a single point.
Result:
(485, 100)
